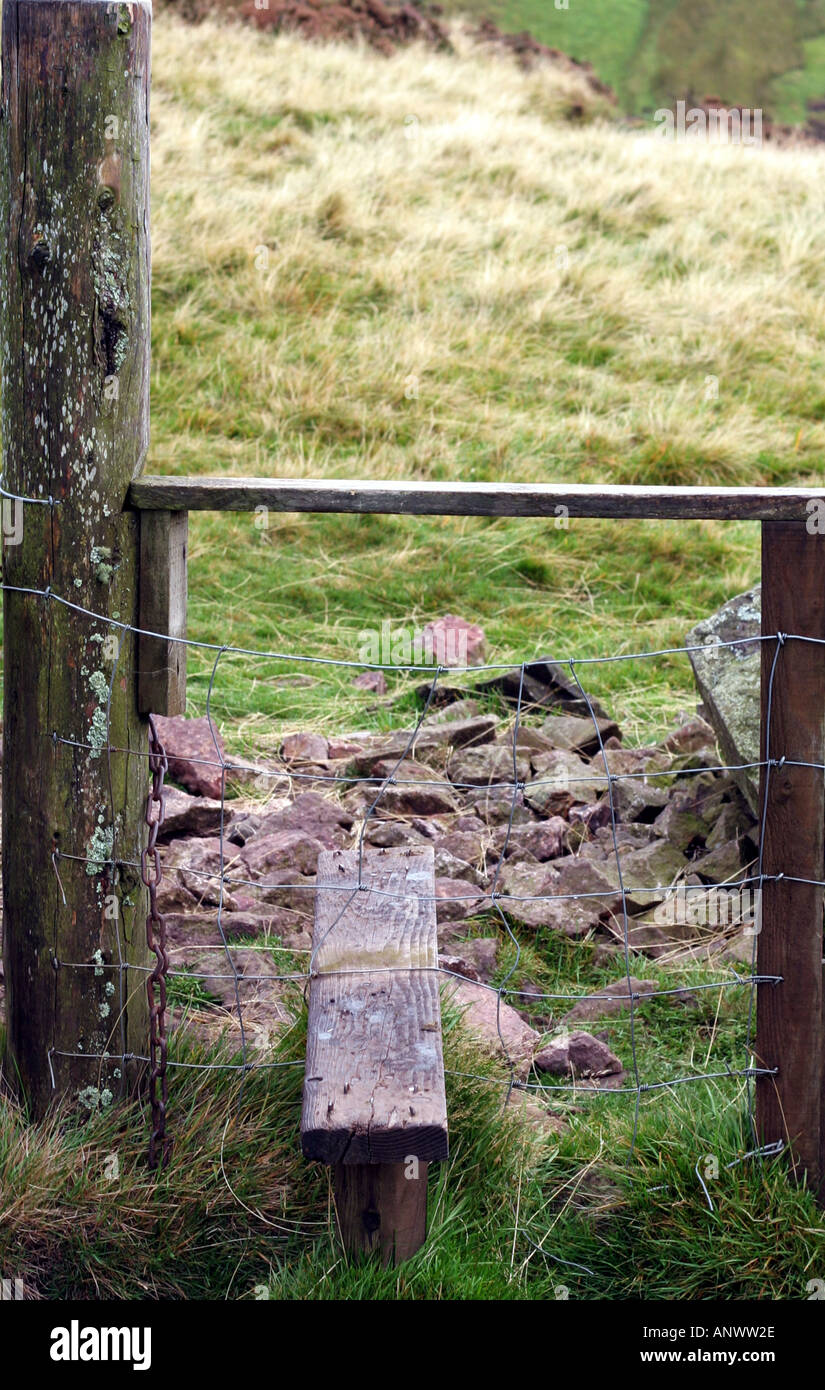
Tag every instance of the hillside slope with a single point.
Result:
(433, 266)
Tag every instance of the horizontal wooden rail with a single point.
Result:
(477, 499)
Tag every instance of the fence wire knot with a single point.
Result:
(55, 857)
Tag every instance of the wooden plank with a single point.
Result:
(374, 1090)
(162, 608)
(475, 499)
(790, 1023)
(382, 1208)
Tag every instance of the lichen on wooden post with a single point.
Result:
(74, 179)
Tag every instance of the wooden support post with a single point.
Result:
(374, 1102)
(162, 665)
(790, 1022)
(74, 277)
(381, 1208)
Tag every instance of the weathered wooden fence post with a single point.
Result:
(75, 421)
(790, 1021)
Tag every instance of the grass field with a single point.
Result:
(754, 52)
(517, 1213)
(421, 269)
(424, 268)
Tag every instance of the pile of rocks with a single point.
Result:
(525, 826)
(383, 26)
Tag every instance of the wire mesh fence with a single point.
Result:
(491, 898)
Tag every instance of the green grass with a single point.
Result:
(752, 52)
(501, 575)
(606, 33)
(240, 1215)
(795, 88)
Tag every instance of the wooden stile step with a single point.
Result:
(374, 1089)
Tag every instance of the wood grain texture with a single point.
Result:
(382, 1208)
(374, 1088)
(790, 1024)
(162, 608)
(74, 279)
(474, 499)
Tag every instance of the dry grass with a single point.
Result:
(417, 215)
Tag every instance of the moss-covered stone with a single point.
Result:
(727, 669)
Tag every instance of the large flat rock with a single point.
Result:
(728, 680)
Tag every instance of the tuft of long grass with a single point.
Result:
(544, 1198)
(688, 1217)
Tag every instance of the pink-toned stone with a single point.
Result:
(388, 834)
(475, 960)
(283, 849)
(695, 736)
(471, 846)
(579, 735)
(305, 747)
(200, 928)
(343, 748)
(544, 839)
(315, 815)
(498, 806)
(448, 865)
(418, 790)
(484, 1016)
(613, 998)
(372, 680)
(490, 764)
(287, 888)
(191, 815)
(454, 641)
(194, 760)
(456, 965)
(580, 1054)
(455, 899)
(424, 743)
(172, 896)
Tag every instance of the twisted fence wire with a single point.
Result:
(496, 900)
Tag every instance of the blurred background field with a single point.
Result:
(438, 265)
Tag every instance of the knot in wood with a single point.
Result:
(371, 1220)
(40, 254)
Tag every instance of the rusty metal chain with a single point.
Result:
(151, 873)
